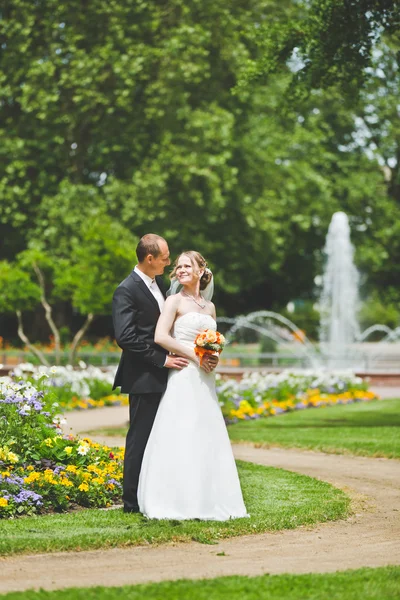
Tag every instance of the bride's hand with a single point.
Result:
(202, 364)
(210, 361)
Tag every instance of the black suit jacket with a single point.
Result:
(135, 314)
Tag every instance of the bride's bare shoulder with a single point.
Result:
(211, 308)
(173, 303)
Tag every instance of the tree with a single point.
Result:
(101, 258)
(18, 294)
(125, 112)
(327, 42)
(41, 264)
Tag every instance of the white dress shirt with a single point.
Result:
(153, 287)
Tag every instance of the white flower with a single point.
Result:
(83, 449)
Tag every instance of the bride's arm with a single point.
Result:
(165, 322)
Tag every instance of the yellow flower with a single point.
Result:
(68, 450)
(48, 442)
(8, 456)
(32, 477)
(83, 487)
(13, 458)
(3, 502)
(99, 480)
(66, 482)
(72, 468)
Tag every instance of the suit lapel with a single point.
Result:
(144, 289)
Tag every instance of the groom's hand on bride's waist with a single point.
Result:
(176, 362)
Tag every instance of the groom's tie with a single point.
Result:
(155, 290)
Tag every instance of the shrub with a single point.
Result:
(41, 469)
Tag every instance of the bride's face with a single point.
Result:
(186, 273)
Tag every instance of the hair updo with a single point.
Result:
(198, 261)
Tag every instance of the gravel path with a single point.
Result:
(369, 538)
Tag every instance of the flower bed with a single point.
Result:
(80, 388)
(260, 395)
(42, 470)
(256, 395)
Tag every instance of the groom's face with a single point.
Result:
(158, 264)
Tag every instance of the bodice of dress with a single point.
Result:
(190, 324)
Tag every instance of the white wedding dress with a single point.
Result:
(188, 469)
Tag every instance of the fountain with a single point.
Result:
(341, 342)
(339, 298)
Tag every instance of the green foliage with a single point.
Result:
(379, 310)
(306, 317)
(100, 258)
(267, 344)
(329, 42)
(18, 291)
(119, 119)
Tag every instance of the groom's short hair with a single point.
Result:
(148, 244)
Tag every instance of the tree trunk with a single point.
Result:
(26, 341)
(48, 314)
(78, 338)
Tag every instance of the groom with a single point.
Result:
(142, 371)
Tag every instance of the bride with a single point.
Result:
(188, 470)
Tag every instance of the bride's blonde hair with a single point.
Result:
(199, 261)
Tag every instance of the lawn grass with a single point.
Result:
(109, 431)
(363, 429)
(276, 499)
(363, 584)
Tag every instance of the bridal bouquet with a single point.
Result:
(208, 342)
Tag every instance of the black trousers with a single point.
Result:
(142, 412)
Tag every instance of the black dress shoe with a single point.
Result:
(131, 509)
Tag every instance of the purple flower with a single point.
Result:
(12, 479)
(11, 400)
(114, 481)
(28, 496)
(24, 412)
